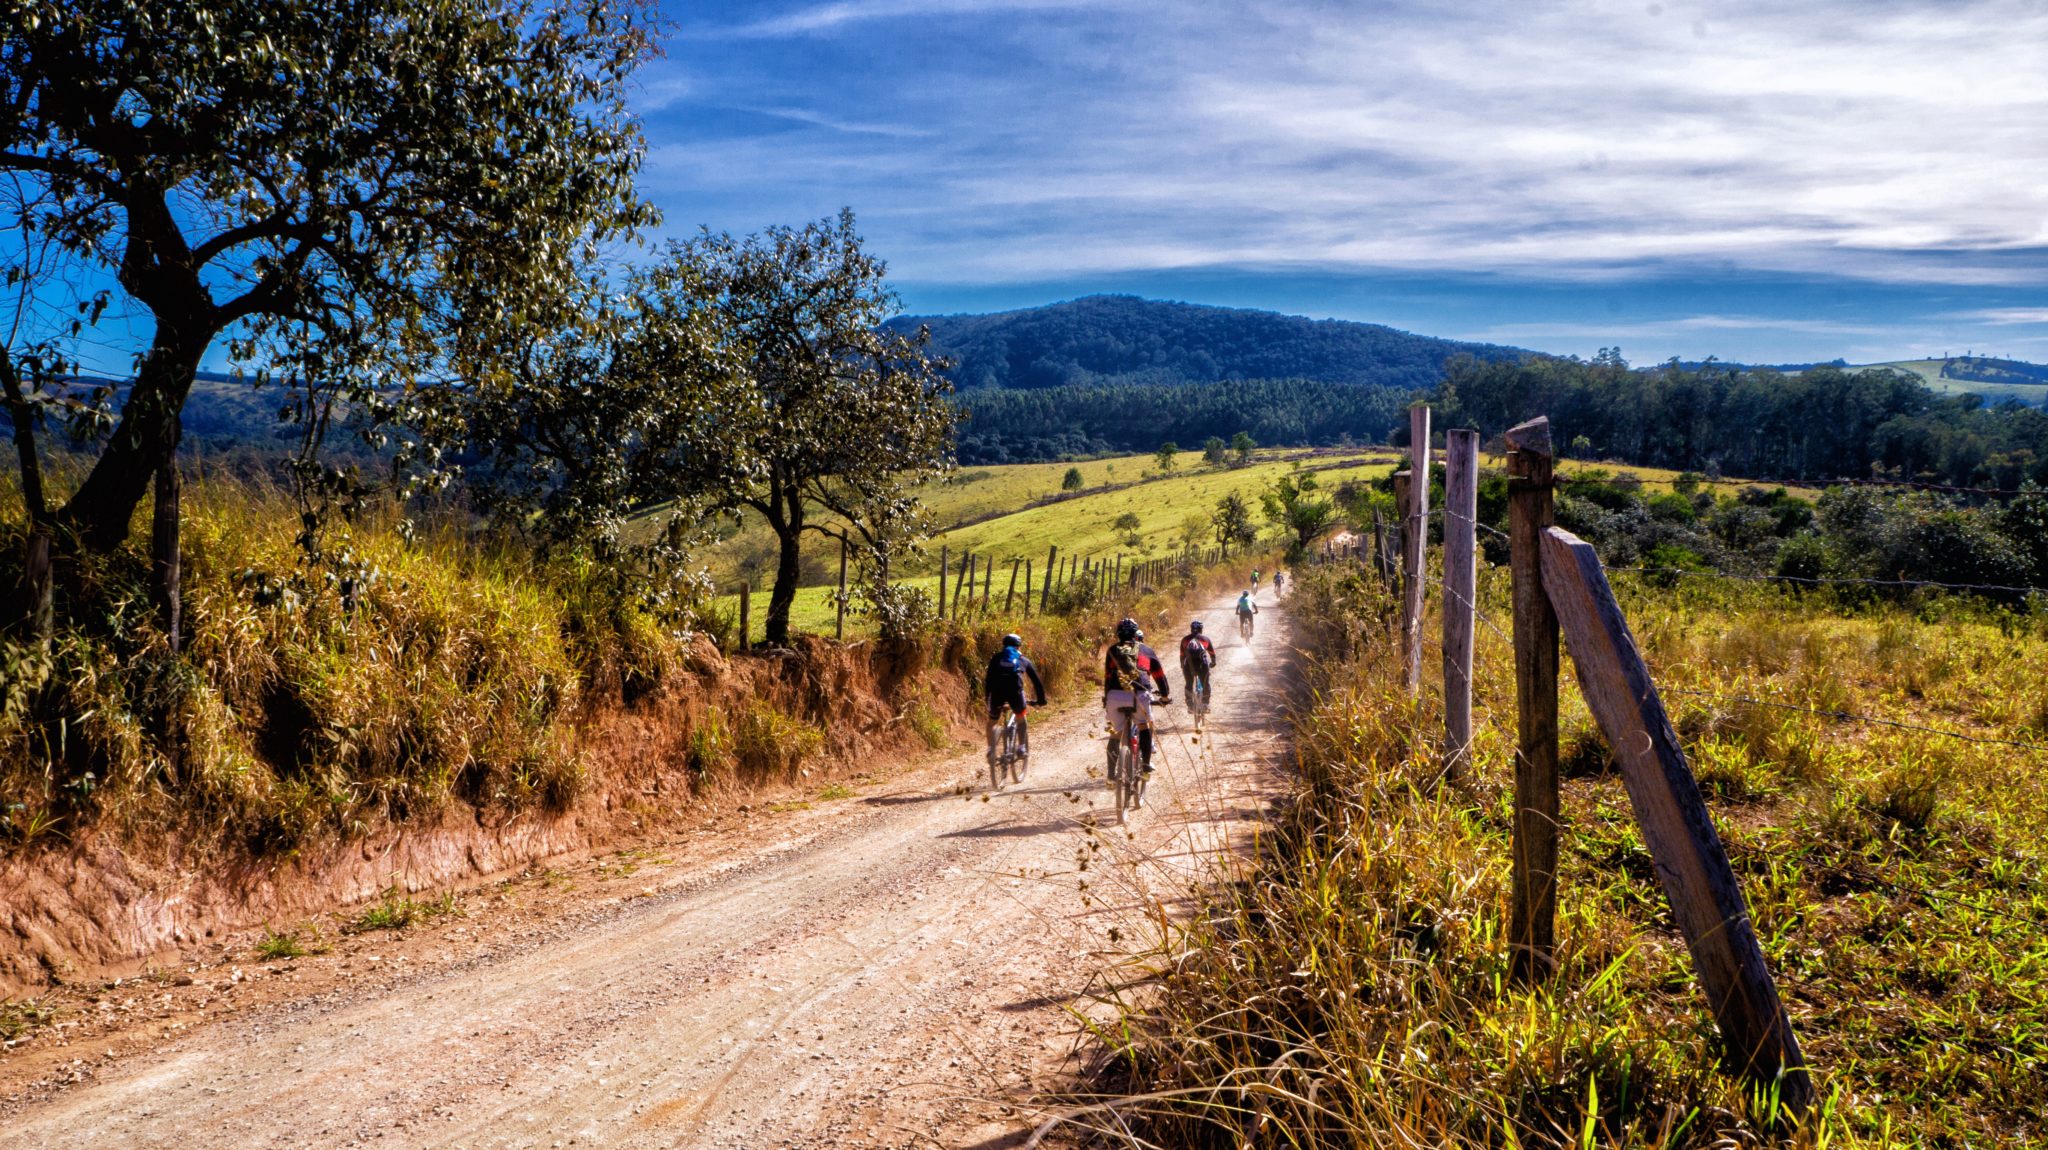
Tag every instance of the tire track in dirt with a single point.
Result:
(906, 976)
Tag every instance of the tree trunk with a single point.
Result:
(104, 505)
(789, 532)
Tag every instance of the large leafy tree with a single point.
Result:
(343, 189)
(850, 415)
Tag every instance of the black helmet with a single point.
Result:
(1013, 640)
(1127, 630)
(1195, 627)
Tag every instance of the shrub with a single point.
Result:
(769, 743)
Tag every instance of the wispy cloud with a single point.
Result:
(2007, 316)
(819, 18)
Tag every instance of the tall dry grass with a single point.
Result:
(1349, 987)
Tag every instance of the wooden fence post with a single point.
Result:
(1027, 588)
(1705, 897)
(746, 615)
(944, 559)
(965, 581)
(1461, 541)
(1416, 543)
(1010, 593)
(1532, 915)
(167, 560)
(1052, 555)
(988, 581)
(839, 623)
(1397, 569)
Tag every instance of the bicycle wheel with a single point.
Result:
(1020, 756)
(995, 762)
(1121, 772)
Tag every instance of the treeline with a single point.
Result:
(1006, 426)
(1825, 423)
(1124, 339)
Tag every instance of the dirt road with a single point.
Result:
(903, 972)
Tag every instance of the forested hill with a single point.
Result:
(1114, 339)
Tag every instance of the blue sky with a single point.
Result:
(1765, 182)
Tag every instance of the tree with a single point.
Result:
(632, 408)
(1243, 444)
(1233, 522)
(350, 193)
(1165, 455)
(1192, 529)
(843, 416)
(1215, 451)
(1126, 525)
(1292, 505)
(1072, 480)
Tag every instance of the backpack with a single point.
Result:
(1128, 663)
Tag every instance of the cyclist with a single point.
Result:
(1197, 656)
(1125, 667)
(1246, 609)
(1003, 684)
(1279, 582)
(1255, 580)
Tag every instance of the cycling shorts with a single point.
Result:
(1111, 700)
(1014, 701)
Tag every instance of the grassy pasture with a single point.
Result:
(1929, 370)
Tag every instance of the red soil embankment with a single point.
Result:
(109, 903)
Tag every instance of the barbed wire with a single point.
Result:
(1824, 581)
(1809, 484)
(1851, 716)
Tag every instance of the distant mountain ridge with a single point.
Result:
(1122, 339)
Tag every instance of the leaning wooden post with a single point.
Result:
(1416, 542)
(1010, 593)
(1461, 542)
(965, 581)
(944, 559)
(839, 623)
(1705, 898)
(1052, 555)
(1532, 915)
(988, 581)
(1027, 588)
(746, 615)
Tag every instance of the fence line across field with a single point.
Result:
(1830, 581)
(1853, 717)
(1810, 484)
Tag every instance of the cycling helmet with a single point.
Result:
(1127, 630)
(1013, 640)
(1195, 627)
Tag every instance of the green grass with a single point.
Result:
(276, 945)
(1350, 988)
(1080, 527)
(20, 1016)
(397, 910)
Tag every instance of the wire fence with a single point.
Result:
(1853, 717)
(1815, 484)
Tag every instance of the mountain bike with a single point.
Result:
(1244, 624)
(1198, 697)
(1013, 754)
(1126, 763)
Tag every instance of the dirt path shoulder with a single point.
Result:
(897, 968)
